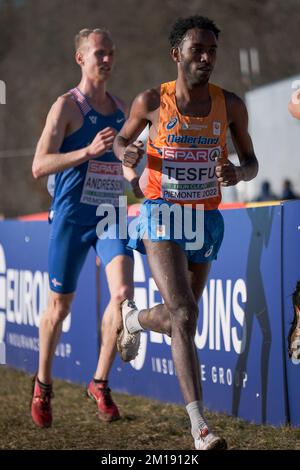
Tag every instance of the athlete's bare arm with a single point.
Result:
(129, 173)
(294, 104)
(227, 173)
(60, 121)
(142, 113)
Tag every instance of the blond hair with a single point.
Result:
(83, 35)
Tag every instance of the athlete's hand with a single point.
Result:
(133, 153)
(136, 188)
(227, 173)
(102, 142)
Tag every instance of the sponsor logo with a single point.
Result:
(119, 120)
(216, 128)
(171, 123)
(56, 283)
(93, 119)
(191, 154)
(191, 140)
(184, 154)
(214, 154)
(193, 127)
(105, 168)
(209, 252)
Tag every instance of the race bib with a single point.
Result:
(189, 174)
(104, 183)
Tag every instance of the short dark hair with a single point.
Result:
(182, 25)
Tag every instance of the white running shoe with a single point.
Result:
(128, 343)
(208, 441)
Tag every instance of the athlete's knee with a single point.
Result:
(121, 293)
(184, 317)
(58, 308)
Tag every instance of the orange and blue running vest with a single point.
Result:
(182, 159)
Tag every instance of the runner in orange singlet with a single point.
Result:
(187, 163)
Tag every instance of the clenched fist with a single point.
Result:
(102, 142)
(227, 173)
(133, 154)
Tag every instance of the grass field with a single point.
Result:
(145, 424)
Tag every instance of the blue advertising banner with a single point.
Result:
(251, 348)
(24, 288)
(240, 338)
(291, 275)
(239, 335)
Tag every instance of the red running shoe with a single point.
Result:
(41, 411)
(100, 393)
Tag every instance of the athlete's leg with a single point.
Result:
(119, 273)
(158, 318)
(198, 274)
(118, 262)
(68, 248)
(67, 251)
(50, 331)
(175, 278)
(169, 268)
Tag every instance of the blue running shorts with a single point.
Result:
(150, 224)
(68, 247)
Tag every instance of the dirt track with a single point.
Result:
(145, 424)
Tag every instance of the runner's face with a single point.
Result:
(197, 55)
(98, 56)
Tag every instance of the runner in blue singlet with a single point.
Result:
(76, 146)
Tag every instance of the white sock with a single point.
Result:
(132, 322)
(198, 422)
